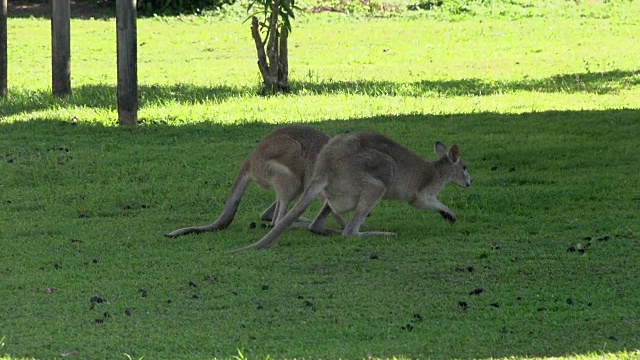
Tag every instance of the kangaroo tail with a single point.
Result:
(240, 184)
(310, 193)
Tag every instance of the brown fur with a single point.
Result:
(284, 162)
(355, 171)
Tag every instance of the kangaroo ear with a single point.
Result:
(454, 153)
(441, 150)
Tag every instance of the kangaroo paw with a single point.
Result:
(450, 217)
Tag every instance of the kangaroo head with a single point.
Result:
(452, 169)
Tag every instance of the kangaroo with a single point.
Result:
(283, 161)
(355, 171)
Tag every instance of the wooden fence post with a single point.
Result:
(61, 47)
(3, 49)
(127, 62)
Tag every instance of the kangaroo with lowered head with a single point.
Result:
(283, 161)
(355, 171)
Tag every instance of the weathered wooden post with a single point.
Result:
(61, 47)
(3, 49)
(127, 62)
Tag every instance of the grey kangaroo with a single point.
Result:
(284, 162)
(355, 171)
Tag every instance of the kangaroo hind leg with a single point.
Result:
(312, 191)
(268, 213)
(317, 226)
(287, 187)
(369, 198)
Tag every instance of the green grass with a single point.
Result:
(206, 71)
(545, 109)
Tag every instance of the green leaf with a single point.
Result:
(251, 16)
(287, 9)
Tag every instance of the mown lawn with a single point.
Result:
(543, 260)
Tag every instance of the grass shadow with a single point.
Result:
(42, 9)
(104, 95)
(607, 82)
(135, 180)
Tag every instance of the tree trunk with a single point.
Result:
(60, 47)
(126, 37)
(273, 60)
(283, 59)
(3, 49)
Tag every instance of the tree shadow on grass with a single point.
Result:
(597, 83)
(79, 9)
(104, 95)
